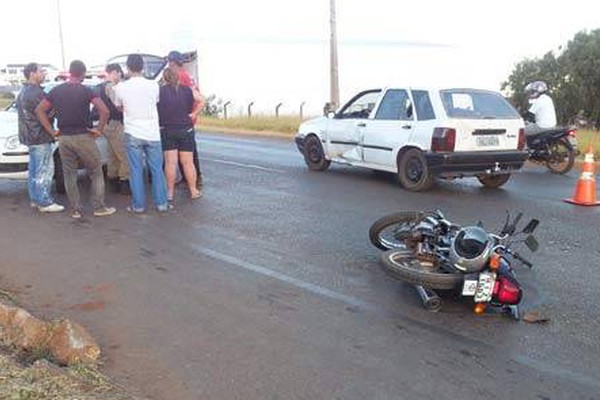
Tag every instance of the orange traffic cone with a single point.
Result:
(585, 190)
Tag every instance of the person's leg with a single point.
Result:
(171, 161)
(112, 170)
(197, 161)
(90, 157)
(134, 153)
(187, 161)
(69, 159)
(121, 155)
(32, 174)
(154, 158)
(44, 175)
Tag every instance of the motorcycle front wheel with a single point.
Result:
(561, 157)
(390, 231)
(405, 266)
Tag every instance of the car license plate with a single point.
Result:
(469, 287)
(487, 141)
(485, 287)
(573, 141)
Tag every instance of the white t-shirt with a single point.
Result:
(139, 96)
(543, 109)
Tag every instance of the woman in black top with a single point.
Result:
(175, 106)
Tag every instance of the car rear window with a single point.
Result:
(477, 104)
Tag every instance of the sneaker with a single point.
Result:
(76, 214)
(104, 211)
(134, 211)
(52, 208)
(165, 207)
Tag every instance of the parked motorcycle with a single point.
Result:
(432, 253)
(554, 148)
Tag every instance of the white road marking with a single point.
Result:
(236, 164)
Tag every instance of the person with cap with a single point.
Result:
(40, 143)
(118, 167)
(176, 60)
(77, 143)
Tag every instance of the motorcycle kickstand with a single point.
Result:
(513, 311)
(431, 301)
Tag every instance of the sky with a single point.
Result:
(272, 51)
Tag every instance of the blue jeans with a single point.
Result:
(136, 149)
(41, 172)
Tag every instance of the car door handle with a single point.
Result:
(361, 124)
(406, 126)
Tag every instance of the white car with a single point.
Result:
(420, 134)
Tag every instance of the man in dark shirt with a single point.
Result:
(40, 143)
(77, 138)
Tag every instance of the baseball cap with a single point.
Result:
(175, 56)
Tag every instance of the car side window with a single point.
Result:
(396, 105)
(361, 106)
(423, 105)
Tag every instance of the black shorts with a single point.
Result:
(178, 139)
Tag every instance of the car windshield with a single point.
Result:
(477, 104)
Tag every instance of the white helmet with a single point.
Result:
(537, 88)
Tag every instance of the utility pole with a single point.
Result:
(60, 35)
(334, 85)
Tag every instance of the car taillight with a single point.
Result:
(507, 291)
(522, 140)
(443, 139)
(572, 132)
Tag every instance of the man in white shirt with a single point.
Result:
(542, 108)
(138, 97)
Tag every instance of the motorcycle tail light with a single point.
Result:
(522, 140)
(507, 291)
(572, 132)
(443, 139)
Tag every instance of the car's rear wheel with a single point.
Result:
(493, 181)
(314, 156)
(413, 172)
(59, 178)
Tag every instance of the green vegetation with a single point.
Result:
(285, 124)
(585, 137)
(4, 103)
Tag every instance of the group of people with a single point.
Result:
(139, 118)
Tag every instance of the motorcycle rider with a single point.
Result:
(541, 108)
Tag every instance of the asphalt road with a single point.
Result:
(268, 288)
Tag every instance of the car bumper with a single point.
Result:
(299, 143)
(14, 165)
(474, 163)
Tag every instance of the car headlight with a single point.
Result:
(12, 143)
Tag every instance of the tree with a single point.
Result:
(213, 106)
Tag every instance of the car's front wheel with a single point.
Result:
(413, 172)
(314, 156)
(493, 181)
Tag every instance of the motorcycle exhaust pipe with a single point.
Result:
(431, 301)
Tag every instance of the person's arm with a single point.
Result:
(103, 113)
(41, 113)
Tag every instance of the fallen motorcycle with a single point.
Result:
(432, 253)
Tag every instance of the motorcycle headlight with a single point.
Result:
(12, 143)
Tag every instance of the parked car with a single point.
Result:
(420, 134)
(14, 157)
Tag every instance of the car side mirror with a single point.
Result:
(531, 243)
(531, 226)
(330, 115)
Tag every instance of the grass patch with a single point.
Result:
(4, 103)
(285, 124)
(585, 137)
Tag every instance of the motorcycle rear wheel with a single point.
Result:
(562, 157)
(386, 232)
(402, 264)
